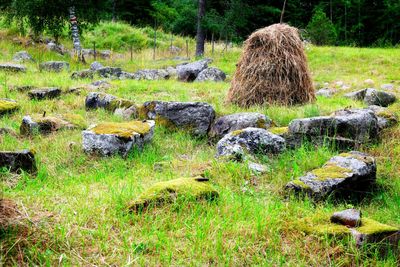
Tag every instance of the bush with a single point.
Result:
(320, 29)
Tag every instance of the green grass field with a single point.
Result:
(76, 204)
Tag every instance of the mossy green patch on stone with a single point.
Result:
(366, 159)
(331, 171)
(369, 226)
(123, 129)
(387, 114)
(169, 191)
(236, 132)
(76, 119)
(261, 123)
(7, 106)
(278, 130)
(300, 184)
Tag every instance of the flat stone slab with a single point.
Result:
(8, 106)
(195, 117)
(146, 74)
(251, 141)
(22, 56)
(183, 189)
(17, 161)
(349, 217)
(12, 67)
(211, 74)
(55, 66)
(108, 139)
(45, 125)
(343, 174)
(238, 121)
(44, 93)
(359, 125)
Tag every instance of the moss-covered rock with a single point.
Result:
(119, 106)
(7, 106)
(185, 189)
(279, 130)
(347, 172)
(38, 124)
(111, 138)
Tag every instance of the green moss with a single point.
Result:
(369, 226)
(124, 129)
(261, 123)
(120, 103)
(278, 130)
(300, 183)
(160, 120)
(331, 171)
(7, 106)
(387, 114)
(76, 119)
(236, 133)
(367, 159)
(164, 192)
(144, 110)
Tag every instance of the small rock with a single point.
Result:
(251, 141)
(146, 75)
(12, 67)
(109, 102)
(44, 125)
(96, 66)
(22, 56)
(83, 74)
(349, 217)
(109, 72)
(388, 86)
(51, 46)
(45, 93)
(195, 117)
(105, 54)
(101, 84)
(258, 168)
(117, 138)
(55, 66)
(379, 98)
(16, 161)
(238, 121)
(369, 82)
(211, 74)
(8, 106)
(347, 172)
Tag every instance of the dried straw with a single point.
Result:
(272, 69)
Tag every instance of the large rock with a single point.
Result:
(211, 74)
(342, 174)
(238, 121)
(54, 66)
(16, 161)
(7, 106)
(196, 117)
(109, 72)
(146, 74)
(189, 72)
(183, 189)
(95, 66)
(117, 138)
(349, 217)
(44, 93)
(352, 125)
(83, 74)
(22, 56)
(45, 125)
(12, 67)
(250, 140)
(372, 96)
(379, 98)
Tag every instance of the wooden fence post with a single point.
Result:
(187, 48)
(94, 51)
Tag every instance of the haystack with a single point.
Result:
(272, 69)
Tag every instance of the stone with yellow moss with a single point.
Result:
(123, 107)
(117, 138)
(386, 118)
(238, 121)
(182, 189)
(194, 117)
(347, 172)
(44, 125)
(8, 106)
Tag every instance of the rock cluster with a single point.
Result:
(372, 96)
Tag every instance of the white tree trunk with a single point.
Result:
(75, 32)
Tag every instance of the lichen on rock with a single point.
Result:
(186, 189)
(123, 130)
(7, 106)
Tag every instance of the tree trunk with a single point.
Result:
(200, 36)
(75, 32)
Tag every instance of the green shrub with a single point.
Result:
(320, 29)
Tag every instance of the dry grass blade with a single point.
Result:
(272, 69)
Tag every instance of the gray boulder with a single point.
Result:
(108, 139)
(44, 125)
(150, 75)
(386, 118)
(342, 174)
(195, 117)
(188, 72)
(12, 67)
(357, 95)
(83, 74)
(44, 93)
(211, 74)
(349, 217)
(109, 102)
(54, 66)
(95, 66)
(379, 98)
(109, 72)
(22, 56)
(238, 121)
(17, 161)
(359, 125)
(251, 141)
